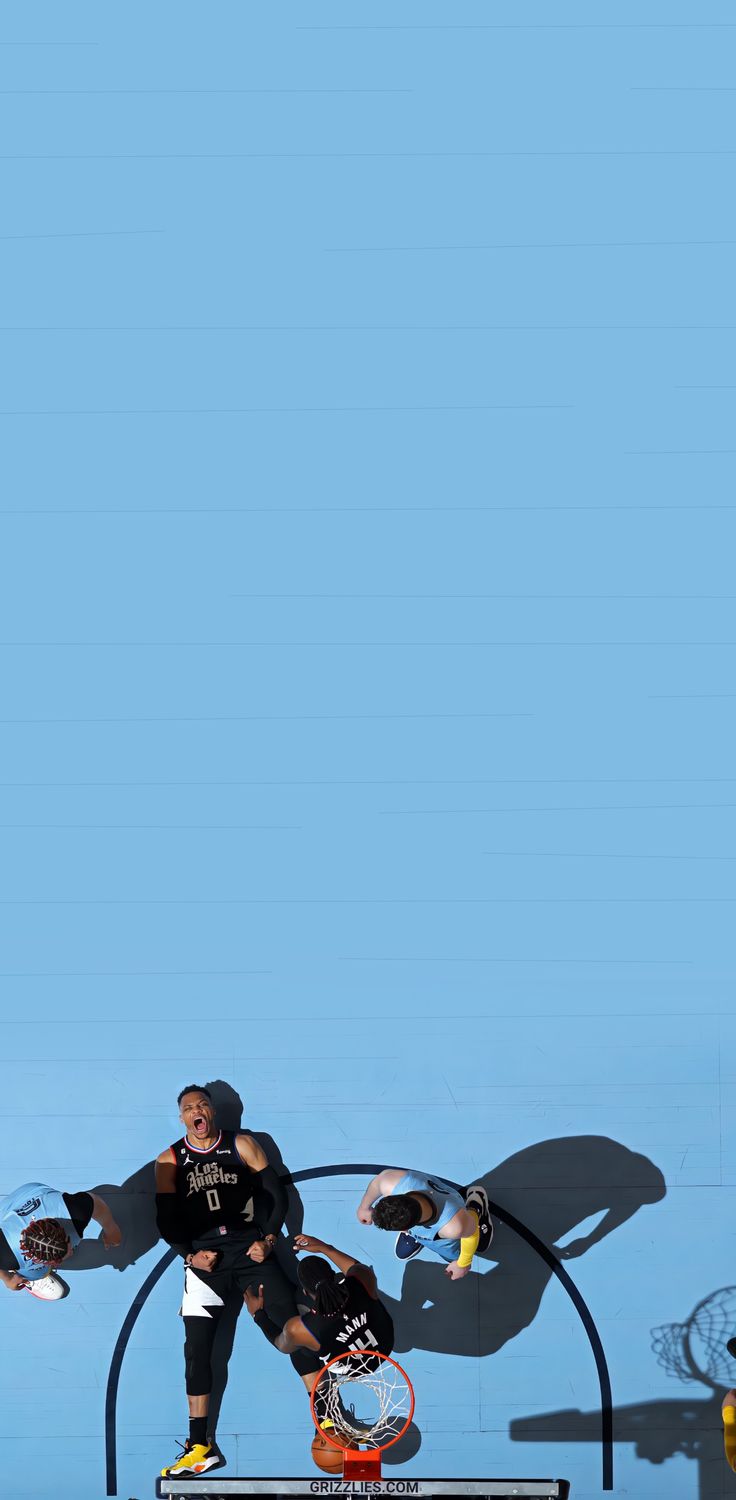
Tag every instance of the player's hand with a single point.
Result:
(308, 1242)
(258, 1251)
(729, 1400)
(113, 1236)
(456, 1272)
(14, 1282)
(204, 1260)
(254, 1303)
(365, 1215)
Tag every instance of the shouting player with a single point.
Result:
(39, 1229)
(221, 1205)
(429, 1214)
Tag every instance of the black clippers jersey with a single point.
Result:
(215, 1189)
(363, 1323)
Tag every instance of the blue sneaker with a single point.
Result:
(406, 1246)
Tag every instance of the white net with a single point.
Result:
(368, 1400)
(696, 1350)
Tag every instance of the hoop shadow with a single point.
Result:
(658, 1429)
(661, 1429)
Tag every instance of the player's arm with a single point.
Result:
(13, 1281)
(379, 1186)
(291, 1337)
(463, 1226)
(269, 1181)
(169, 1218)
(344, 1263)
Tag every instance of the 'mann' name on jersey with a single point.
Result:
(363, 1323)
(215, 1189)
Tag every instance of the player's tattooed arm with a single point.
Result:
(379, 1186)
(270, 1183)
(168, 1215)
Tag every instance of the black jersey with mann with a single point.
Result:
(363, 1323)
(217, 1195)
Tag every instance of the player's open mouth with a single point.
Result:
(200, 1125)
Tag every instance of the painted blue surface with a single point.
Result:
(367, 626)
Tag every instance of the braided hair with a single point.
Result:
(44, 1241)
(328, 1289)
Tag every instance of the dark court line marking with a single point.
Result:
(357, 1170)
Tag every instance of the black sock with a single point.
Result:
(198, 1430)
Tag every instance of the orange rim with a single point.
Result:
(339, 1359)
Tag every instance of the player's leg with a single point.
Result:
(49, 1288)
(201, 1309)
(476, 1198)
(279, 1301)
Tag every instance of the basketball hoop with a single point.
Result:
(386, 1398)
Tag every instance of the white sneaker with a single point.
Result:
(49, 1288)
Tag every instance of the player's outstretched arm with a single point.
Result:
(345, 1263)
(102, 1215)
(384, 1182)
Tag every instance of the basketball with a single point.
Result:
(326, 1457)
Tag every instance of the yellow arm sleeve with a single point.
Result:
(729, 1434)
(468, 1247)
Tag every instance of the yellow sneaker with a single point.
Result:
(196, 1458)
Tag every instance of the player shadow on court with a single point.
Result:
(552, 1187)
(658, 1429)
(133, 1206)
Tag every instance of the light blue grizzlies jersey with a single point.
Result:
(447, 1200)
(33, 1200)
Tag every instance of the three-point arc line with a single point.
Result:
(360, 1170)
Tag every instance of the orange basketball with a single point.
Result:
(326, 1457)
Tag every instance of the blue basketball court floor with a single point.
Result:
(367, 717)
